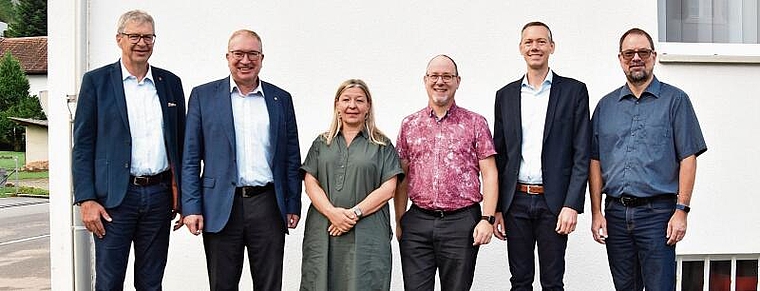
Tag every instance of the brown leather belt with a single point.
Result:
(250, 191)
(530, 189)
(150, 180)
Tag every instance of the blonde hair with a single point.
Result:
(137, 16)
(375, 135)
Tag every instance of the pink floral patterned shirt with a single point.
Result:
(444, 156)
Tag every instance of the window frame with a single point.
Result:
(706, 271)
(681, 52)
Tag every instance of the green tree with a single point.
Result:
(6, 11)
(15, 102)
(30, 19)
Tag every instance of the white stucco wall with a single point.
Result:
(311, 47)
(37, 83)
(36, 143)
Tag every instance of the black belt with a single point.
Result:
(631, 201)
(150, 180)
(250, 191)
(442, 213)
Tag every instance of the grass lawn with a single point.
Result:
(8, 163)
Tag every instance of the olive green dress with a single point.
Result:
(361, 258)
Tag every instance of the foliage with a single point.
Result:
(30, 19)
(15, 102)
(6, 11)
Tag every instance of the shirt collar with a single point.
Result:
(547, 80)
(453, 109)
(125, 74)
(653, 89)
(257, 90)
(363, 133)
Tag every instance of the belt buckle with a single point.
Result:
(530, 191)
(140, 181)
(244, 192)
(627, 201)
(439, 213)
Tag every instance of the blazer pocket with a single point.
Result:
(208, 182)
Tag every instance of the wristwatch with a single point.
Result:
(357, 211)
(683, 207)
(490, 218)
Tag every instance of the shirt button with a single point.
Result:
(126, 165)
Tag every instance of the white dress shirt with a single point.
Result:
(252, 145)
(534, 102)
(146, 124)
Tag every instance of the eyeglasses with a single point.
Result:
(643, 53)
(252, 55)
(136, 37)
(434, 78)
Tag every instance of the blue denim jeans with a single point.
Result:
(637, 248)
(142, 218)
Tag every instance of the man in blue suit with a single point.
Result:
(542, 136)
(248, 192)
(128, 135)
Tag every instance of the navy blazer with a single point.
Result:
(210, 139)
(102, 153)
(566, 147)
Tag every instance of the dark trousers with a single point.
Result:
(143, 217)
(444, 243)
(255, 223)
(637, 248)
(529, 222)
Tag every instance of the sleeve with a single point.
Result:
(594, 150)
(484, 147)
(192, 202)
(687, 133)
(390, 163)
(293, 160)
(576, 190)
(311, 163)
(85, 138)
(401, 145)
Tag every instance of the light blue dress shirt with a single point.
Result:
(533, 105)
(146, 124)
(252, 143)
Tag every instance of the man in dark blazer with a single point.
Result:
(248, 191)
(128, 134)
(541, 134)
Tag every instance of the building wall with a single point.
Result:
(36, 143)
(311, 47)
(37, 83)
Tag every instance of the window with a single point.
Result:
(718, 272)
(709, 30)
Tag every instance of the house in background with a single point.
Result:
(32, 53)
(36, 140)
(3, 28)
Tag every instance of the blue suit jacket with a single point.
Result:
(566, 147)
(102, 152)
(210, 138)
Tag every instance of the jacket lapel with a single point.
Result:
(117, 83)
(554, 95)
(274, 109)
(224, 110)
(513, 109)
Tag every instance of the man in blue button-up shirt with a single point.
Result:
(645, 142)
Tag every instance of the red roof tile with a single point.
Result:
(30, 51)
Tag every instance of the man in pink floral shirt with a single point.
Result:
(443, 148)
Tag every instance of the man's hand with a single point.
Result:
(92, 215)
(194, 223)
(566, 221)
(499, 228)
(599, 228)
(293, 220)
(398, 232)
(179, 223)
(482, 233)
(676, 227)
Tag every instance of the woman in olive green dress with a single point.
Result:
(350, 173)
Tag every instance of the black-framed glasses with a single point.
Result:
(445, 77)
(643, 54)
(136, 37)
(252, 55)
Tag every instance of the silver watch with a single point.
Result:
(357, 211)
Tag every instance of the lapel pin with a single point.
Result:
(275, 97)
(171, 104)
(160, 78)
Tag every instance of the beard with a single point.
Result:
(637, 77)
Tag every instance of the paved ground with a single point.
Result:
(24, 244)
